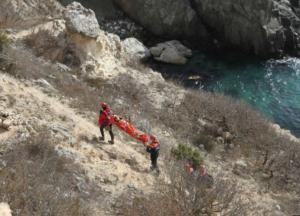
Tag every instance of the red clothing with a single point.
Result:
(189, 168)
(154, 142)
(106, 117)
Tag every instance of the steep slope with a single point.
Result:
(105, 164)
(256, 173)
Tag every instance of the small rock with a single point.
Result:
(278, 207)
(107, 190)
(43, 83)
(135, 48)
(3, 164)
(5, 209)
(112, 155)
(112, 179)
(241, 169)
(63, 68)
(131, 186)
(227, 137)
(231, 146)
(4, 114)
(6, 124)
(220, 140)
(220, 131)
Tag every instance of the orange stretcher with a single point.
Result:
(129, 128)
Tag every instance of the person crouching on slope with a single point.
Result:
(105, 121)
(153, 148)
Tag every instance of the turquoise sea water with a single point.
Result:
(272, 86)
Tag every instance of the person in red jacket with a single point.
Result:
(105, 121)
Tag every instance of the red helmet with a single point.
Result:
(103, 105)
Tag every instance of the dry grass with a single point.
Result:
(36, 13)
(52, 47)
(22, 63)
(184, 195)
(36, 181)
(44, 44)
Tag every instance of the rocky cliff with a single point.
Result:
(174, 19)
(262, 27)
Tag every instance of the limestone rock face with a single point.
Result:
(81, 20)
(12, 10)
(264, 27)
(261, 27)
(171, 52)
(168, 18)
(135, 48)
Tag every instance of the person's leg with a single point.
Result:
(154, 157)
(111, 134)
(102, 132)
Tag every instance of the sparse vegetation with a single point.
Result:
(184, 195)
(44, 44)
(4, 39)
(205, 140)
(188, 153)
(36, 181)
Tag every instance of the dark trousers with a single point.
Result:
(154, 153)
(109, 130)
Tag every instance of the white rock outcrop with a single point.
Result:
(5, 209)
(135, 48)
(172, 52)
(81, 20)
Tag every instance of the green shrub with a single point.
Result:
(202, 139)
(4, 39)
(187, 152)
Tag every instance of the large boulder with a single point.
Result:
(172, 52)
(81, 20)
(167, 18)
(263, 27)
(135, 48)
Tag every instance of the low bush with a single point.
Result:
(182, 195)
(205, 140)
(35, 180)
(4, 39)
(186, 152)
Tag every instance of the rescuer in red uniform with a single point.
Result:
(153, 149)
(105, 121)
